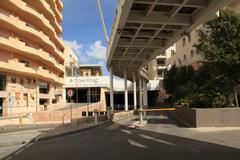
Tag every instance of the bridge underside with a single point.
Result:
(144, 29)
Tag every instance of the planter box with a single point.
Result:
(209, 117)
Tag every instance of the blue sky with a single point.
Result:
(82, 29)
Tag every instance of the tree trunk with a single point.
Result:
(236, 96)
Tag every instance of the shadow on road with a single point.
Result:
(116, 142)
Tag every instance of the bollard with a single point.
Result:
(95, 116)
(140, 117)
(63, 119)
(20, 122)
(108, 113)
(145, 115)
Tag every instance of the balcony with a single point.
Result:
(13, 66)
(44, 7)
(161, 57)
(59, 4)
(159, 67)
(29, 31)
(29, 12)
(55, 7)
(14, 45)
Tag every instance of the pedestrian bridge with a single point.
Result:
(143, 29)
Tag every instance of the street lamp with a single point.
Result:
(36, 82)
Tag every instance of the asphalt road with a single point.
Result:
(118, 142)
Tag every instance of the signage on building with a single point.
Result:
(70, 93)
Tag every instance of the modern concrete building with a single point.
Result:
(31, 55)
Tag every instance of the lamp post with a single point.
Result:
(36, 82)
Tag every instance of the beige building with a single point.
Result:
(86, 70)
(186, 53)
(158, 67)
(71, 62)
(31, 55)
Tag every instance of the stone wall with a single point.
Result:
(64, 114)
(209, 117)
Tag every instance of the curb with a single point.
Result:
(39, 139)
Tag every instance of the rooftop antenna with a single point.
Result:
(102, 20)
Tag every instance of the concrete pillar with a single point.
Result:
(111, 89)
(140, 92)
(140, 100)
(125, 90)
(145, 96)
(134, 92)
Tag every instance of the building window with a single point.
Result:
(43, 87)
(2, 82)
(172, 52)
(54, 101)
(95, 94)
(161, 62)
(161, 73)
(192, 53)
(81, 73)
(184, 57)
(86, 74)
(184, 41)
(179, 62)
(189, 37)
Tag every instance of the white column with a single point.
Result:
(111, 89)
(125, 90)
(134, 92)
(145, 98)
(140, 100)
(140, 92)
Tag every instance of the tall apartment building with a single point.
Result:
(31, 55)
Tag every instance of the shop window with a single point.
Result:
(84, 114)
(95, 94)
(90, 113)
(43, 101)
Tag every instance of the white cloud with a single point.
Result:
(78, 49)
(97, 50)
